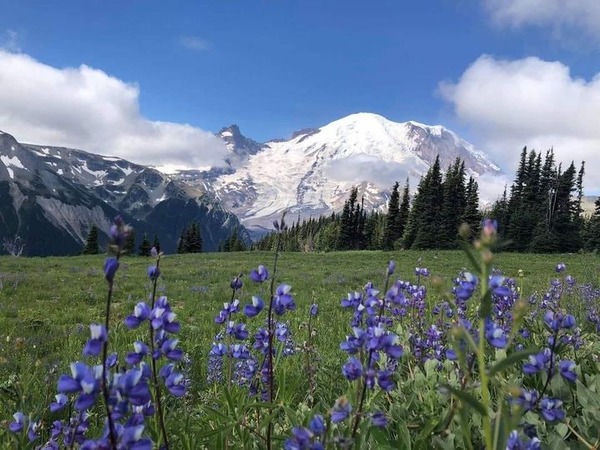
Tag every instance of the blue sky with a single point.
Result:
(276, 66)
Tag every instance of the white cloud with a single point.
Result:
(510, 104)
(87, 108)
(194, 43)
(572, 16)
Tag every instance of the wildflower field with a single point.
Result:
(437, 349)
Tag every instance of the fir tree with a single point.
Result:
(145, 246)
(156, 243)
(91, 244)
(129, 247)
(391, 232)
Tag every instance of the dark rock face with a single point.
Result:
(51, 196)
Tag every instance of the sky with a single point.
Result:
(152, 81)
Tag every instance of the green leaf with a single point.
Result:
(512, 359)
(466, 398)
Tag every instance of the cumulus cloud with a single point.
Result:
(579, 16)
(194, 43)
(510, 104)
(86, 108)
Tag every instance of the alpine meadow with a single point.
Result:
(300, 225)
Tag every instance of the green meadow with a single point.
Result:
(47, 304)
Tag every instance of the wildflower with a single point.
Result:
(18, 424)
(255, 308)
(567, 370)
(341, 410)
(391, 267)
(489, 228)
(352, 370)
(111, 265)
(61, 401)
(560, 267)
(94, 344)
(495, 335)
(378, 419)
(140, 351)
(236, 283)
(141, 312)
(259, 275)
(84, 380)
(551, 409)
(153, 272)
(314, 310)
(317, 425)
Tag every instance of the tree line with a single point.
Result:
(540, 212)
(429, 220)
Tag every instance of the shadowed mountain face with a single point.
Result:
(51, 196)
(312, 172)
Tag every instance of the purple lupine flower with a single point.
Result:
(391, 267)
(170, 351)
(33, 430)
(466, 287)
(498, 287)
(341, 410)
(495, 335)
(567, 370)
(61, 401)
(527, 399)
(18, 424)
(353, 369)
(141, 312)
(259, 275)
(300, 439)
(378, 419)
(314, 310)
(385, 380)
(551, 409)
(255, 308)
(236, 284)
(537, 362)
(421, 271)
(97, 339)
(140, 351)
(111, 264)
(317, 425)
(489, 228)
(283, 299)
(173, 380)
(84, 380)
(239, 351)
(560, 267)
(153, 272)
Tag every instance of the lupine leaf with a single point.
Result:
(466, 398)
(512, 359)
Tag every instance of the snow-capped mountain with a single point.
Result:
(312, 172)
(51, 196)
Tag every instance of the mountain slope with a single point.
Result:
(51, 196)
(312, 172)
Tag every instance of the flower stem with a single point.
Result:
(105, 393)
(483, 376)
(271, 331)
(157, 391)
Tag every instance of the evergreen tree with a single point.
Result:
(91, 244)
(145, 246)
(391, 232)
(471, 216)
(156, 243)
(404, 210)
(129, 247)
(454, 204)
(592, 230)
(429, 218)
(347, 234)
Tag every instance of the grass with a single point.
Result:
(46, 305)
